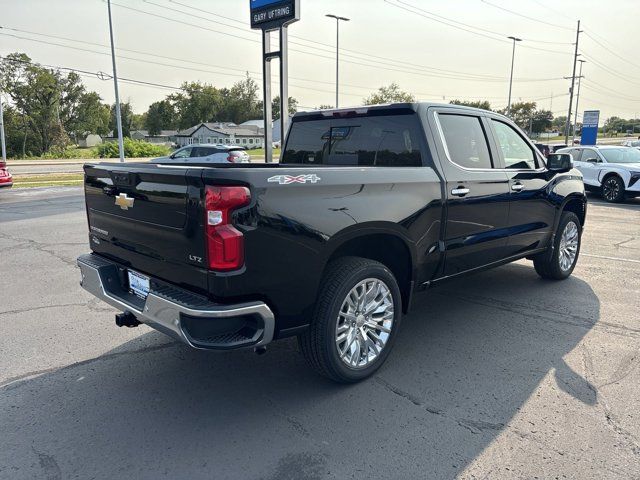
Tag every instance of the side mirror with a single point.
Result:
(559, 162)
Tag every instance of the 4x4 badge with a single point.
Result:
(289, 179)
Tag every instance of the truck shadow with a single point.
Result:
(467, 359)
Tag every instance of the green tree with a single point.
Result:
(541, 121)
(482, 104)
(196, 103)
(390, 94)
(126, 115)
(275, 106)
(161, 116)
(559, 123)
(522, 113)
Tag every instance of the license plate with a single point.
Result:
(138, 284)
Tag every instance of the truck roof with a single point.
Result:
(388, 108)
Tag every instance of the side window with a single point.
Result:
(199, 152)
(589, 155)
(576, 154)
(184, 153)
(382, 141)
(516, 151)
(465, 140)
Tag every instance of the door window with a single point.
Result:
(576, 154)
(590, 155)
(184, 153)
(465, 141)
(517, 153)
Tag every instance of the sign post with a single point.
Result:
(270, 15)
(590, 121)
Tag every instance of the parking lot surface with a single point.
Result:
(498, 375)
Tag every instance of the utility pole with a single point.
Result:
(513, 57)
(338, 19)
(575, 117)
(115, 84)
(573, 81)
(4, 147)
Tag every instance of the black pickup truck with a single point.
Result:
(366, 207)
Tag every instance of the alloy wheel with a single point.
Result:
(364, 323)
(568, 246)
(611, 189)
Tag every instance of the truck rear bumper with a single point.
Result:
(176, 312)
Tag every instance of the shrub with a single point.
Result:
(132, 149)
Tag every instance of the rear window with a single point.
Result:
(385, 141)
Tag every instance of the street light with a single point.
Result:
(115, 84)
(344, 19)
(575, 117)
(513, 57)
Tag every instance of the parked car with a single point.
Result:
(631, 143)
(612, 171)
(367, 207)
(6, 180)
(206, 153)
(556, 148)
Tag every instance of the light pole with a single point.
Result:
(344, 19)
(115, 84)
(575, 117)
(513, 57)
(4, 148)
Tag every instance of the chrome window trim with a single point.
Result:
(448, 155)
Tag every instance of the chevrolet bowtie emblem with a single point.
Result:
(124, 202)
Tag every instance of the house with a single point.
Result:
(248, 136)
(164, 137)
(91, 140)
(277, 135)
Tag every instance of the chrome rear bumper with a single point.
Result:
(190, 318)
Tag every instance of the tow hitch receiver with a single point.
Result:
(126, 319)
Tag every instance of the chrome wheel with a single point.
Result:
(364, 323)
(568, 246)
(611, 189)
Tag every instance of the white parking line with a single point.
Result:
(610, 258)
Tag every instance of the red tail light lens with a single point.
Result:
(231, 158)
(225, 244)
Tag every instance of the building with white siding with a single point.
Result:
(248, 136)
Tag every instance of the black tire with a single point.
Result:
(613, 189)
(318, 343)
(548, 264)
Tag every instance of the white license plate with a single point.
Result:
(138, 283)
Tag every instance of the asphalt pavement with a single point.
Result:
(499, 375)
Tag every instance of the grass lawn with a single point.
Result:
(259, 152)
(48, 180)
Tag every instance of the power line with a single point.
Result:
(365, 54)
(612, 51)
(434, 72)
(532, 19)
(490, 34)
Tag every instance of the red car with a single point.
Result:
(6, 180)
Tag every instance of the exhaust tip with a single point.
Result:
(260, 350)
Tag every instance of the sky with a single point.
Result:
(435, 49)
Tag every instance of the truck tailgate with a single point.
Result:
(149, 218)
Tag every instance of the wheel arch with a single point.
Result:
(577, 204)
(383, 244)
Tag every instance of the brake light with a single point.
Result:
(231, 158)
(225, 244)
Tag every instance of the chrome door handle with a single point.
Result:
(460, 191)
(517, 187)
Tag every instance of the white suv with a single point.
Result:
(612, 171)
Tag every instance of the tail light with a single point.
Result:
(231, 158)
(225, 244)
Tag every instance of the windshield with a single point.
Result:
(621, 155)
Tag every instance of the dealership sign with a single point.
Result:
(590, 121)
(274, 14)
